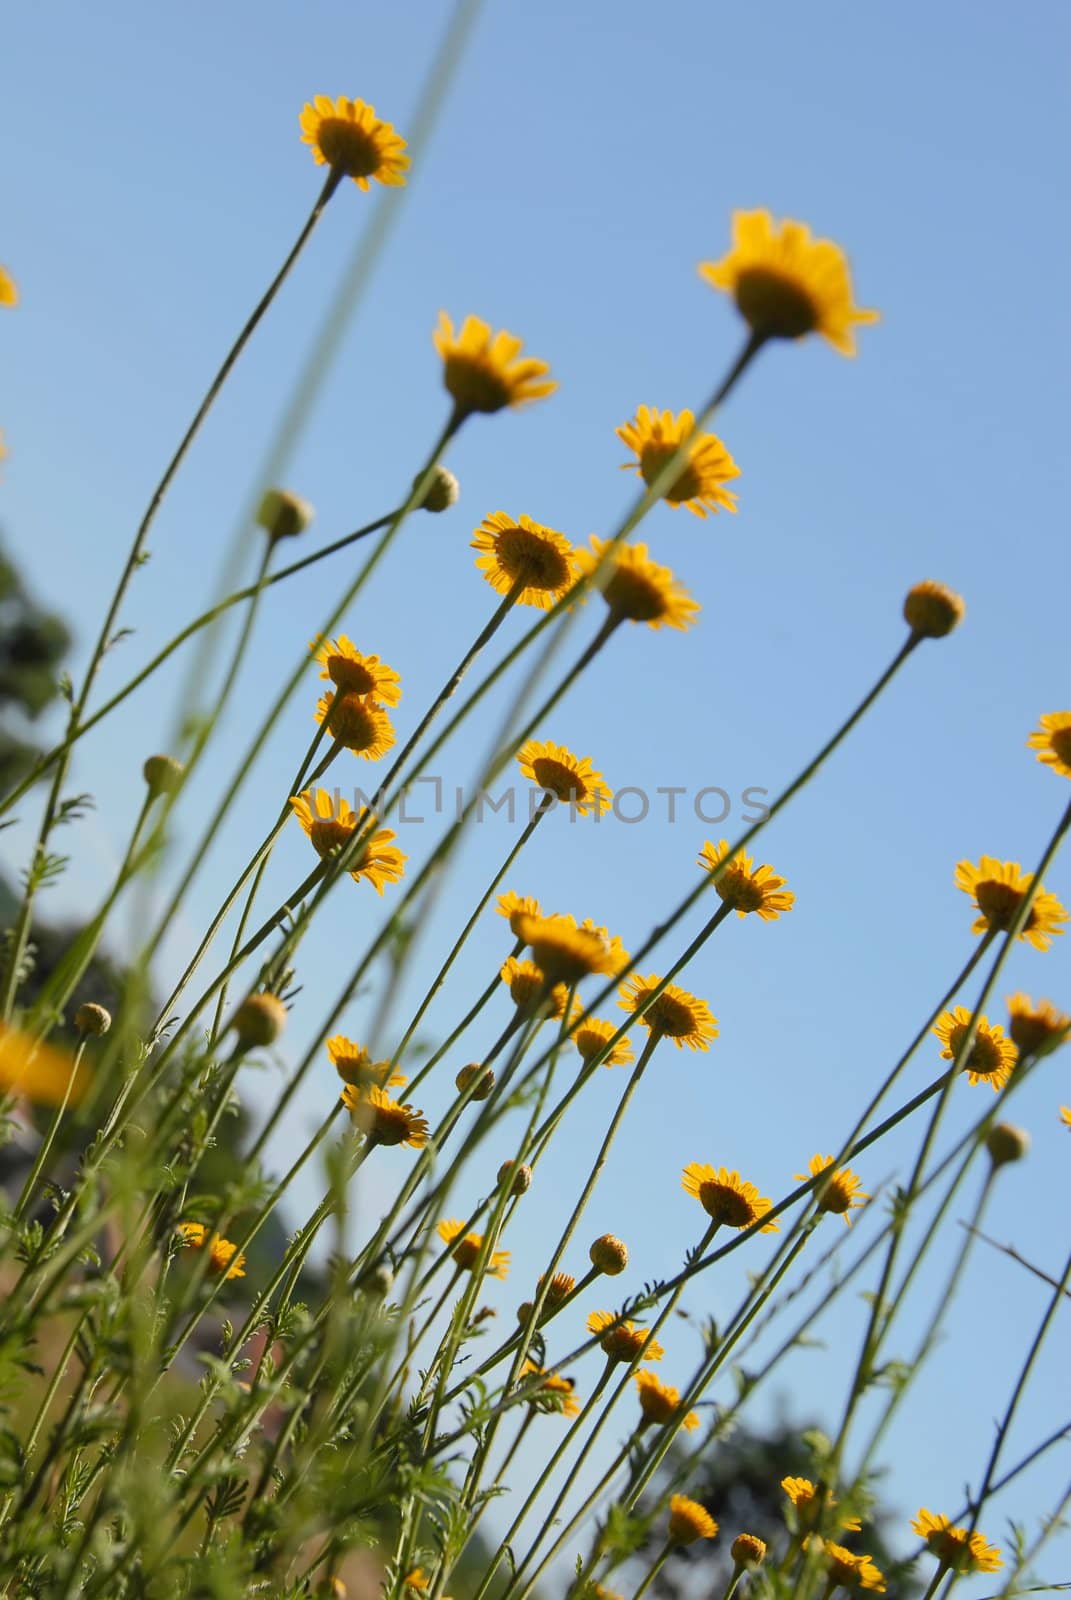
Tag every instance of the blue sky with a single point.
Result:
(586, 160)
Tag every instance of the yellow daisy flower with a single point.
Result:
(621, 1340)
(571, 779)
(786, 283)
(483, 371)
(725, 1197)
(384, 1120)
(223, 1256)
(852, 1571)
(358, 723)
(566, 953)
(1052, 741)
(355, 1066)
(997, 888)
(991, 1057)
(515, 906)
(37, 1070)
(744, 888)
(556, 1393)
(675, 1014)
(354, 673)
(1065, 1116)
(807, 1504)
(466, 1250)
(689, 1521)
(1036, 1029)
(655, 436)
(661, 1403)
(9, 294)
(417, 1579)
(527, 984)
(593, 1035)
(520, 550)
(638, 589)
(347, 136)
(840, 1193)
(329, 829)
(955, 1547)
(931, 610)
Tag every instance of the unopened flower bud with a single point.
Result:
(1005, 1143)
(442, 491)
(522, 1177)
(932, 611)
(609, 1254)
(283, 515)
(259, 1020)
(92, 1019)
(468, 1074)
(163, 774)
(748, 1551)
(378, 1280)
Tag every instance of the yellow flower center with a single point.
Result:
(725, 1205)
(352, 722)
(525, 555)
(737, 888)
(670, 1015)
(328, 835)
(344, 145)
(775, 305)
(687, 484)
(467, 1250)
(999, 902)
(350, 676)
(1060, 740)
(985, 1056)
(475, 384)
(622, 1344)
(560, 780)
(631, 595)
(837, 1197)
(390, 1125)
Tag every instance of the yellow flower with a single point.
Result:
(1065, 1116)
(384, 1120)
(355, 1066)
(37, 1070)
(656, 436)
(931, 610)
(955, 1547)
(725, 1197)
(515, 906)
(522, 551)
(997, 888)
(483, 370)
(223, 1256)
(621, 1340)
(354, 673)
(744, 888)
(675, 1014)
(638, 589)
(840, 1193)
(358, 723)
(807, 1503)
(572, 779)
(9, 294)
(991, 1057)
(689, 1521)
(1052, 741)
(786, 283)
(467, 1249)
(748, 1551)
(329, 829)
(852, 1571)
(593, 1034)
(555, 1393)
(348, 136)
(1036, 1029)
(527, 984)
(417, 1579)
(566, 953)
(661, 1403)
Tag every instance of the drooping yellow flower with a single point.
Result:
(354, 673)
(675, 1014)
(355, 1066)
(661, 1402)
(466, 1250)
(621, 1340)
(1036, 1029)
(9, 294)
(329, 828)
(807, 1504)
(655, 436)
(1052, 741)
(840, 1193)
(384, 1120)
(483, 371)
(515, 906)
(565, 953)
(744, 888)
(223, 1257)
(725, 1197)
(955, 1547)
(518, 550)
(37, 1070)
(593, 1035)
(851, 1571)
(689, 1521)
(931, 610)
(348, 136)
(527, 985)
(998, 888)
(571, 779)
(786, 283)
(358, 723)
(555, 1393)
(991, 1058)
(637, 588)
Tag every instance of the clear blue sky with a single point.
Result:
(587, 159)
